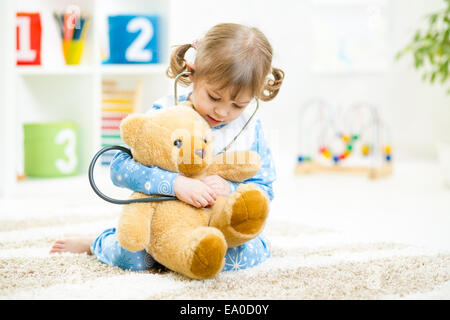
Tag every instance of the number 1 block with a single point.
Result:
(28, 38)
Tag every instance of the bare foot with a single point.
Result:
(76, 245)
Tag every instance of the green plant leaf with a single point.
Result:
(430, 57)
(446, 37)
(416, 36)
(444, 71)
(433, 77)
(430, 47)
(433, 18)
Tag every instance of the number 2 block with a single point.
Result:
(133, 39)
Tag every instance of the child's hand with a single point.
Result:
(194, 192)
(218, 184)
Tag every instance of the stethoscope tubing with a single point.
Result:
(118, 201)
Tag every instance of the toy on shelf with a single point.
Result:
(28, 35)
(73, 29)
(51, 149)
(132, 39)
(117, 103)
(350, 139)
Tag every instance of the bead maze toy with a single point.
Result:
(351, 139)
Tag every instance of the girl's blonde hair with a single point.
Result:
(232, 56)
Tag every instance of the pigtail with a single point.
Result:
(178, 64)
(272, 86)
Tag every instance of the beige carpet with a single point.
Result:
(307, 263)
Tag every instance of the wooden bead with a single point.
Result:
(365, 149)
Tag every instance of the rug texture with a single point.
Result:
(307, 262)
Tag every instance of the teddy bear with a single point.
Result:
(191, 241)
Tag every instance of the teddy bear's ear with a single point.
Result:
(133, 128)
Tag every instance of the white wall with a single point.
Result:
(7, 61)
(2, 98)
(418, 112)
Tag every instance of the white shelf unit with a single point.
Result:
(54, 91)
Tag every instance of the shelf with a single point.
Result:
(148, 69)
(154, 69)
(54, 91)
(63, 70)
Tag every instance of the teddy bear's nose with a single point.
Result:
(200, 152)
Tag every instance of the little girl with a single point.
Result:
(233, 65)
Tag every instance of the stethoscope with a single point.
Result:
(121, 148)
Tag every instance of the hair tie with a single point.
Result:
(195, 44)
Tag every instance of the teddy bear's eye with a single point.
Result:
(177, 143)
(205, 140)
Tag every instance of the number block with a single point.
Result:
(28, 38)
(51, 149)
(133, 39)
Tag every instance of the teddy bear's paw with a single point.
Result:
(249, 210)
(208, 253)
(133, 236)
(132, 244)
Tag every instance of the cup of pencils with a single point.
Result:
(73, 28)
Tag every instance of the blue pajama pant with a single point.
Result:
(107, 249)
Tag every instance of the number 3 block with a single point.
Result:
(133, 39)
(51, 149)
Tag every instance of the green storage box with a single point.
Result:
(51, 149)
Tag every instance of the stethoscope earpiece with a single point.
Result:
(175, 89)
